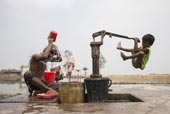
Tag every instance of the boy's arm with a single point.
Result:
(137, 49)
(136, 41)
(145, 50)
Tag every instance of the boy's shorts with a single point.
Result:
(28, 79)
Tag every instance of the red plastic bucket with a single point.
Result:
(49, 77)
(53, 35)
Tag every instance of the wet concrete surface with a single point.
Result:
(156, 101)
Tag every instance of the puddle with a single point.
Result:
(117, 96)
(82, 108)
(13, 88)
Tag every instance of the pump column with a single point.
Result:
(95, 53)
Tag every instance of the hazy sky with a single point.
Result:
(25, 25)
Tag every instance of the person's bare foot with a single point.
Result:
(123, 56)
(119, 45)
(33, 93)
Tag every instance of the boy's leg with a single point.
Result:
(137, 58)
(119, 46)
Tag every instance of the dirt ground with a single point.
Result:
(150, 78)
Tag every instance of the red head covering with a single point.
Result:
(53, 35)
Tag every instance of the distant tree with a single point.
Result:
(78, 72)
(85, 70)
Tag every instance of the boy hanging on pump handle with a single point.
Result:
(139, 55)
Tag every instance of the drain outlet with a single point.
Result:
(122, 98)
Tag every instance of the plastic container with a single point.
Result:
(49, 77)
(97, 89)
(53, 35)
(71, 92)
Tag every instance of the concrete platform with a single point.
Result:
(156, 101)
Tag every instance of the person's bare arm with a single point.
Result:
(145, 50)
(45, 54)
(47, 51)
(136, 41)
